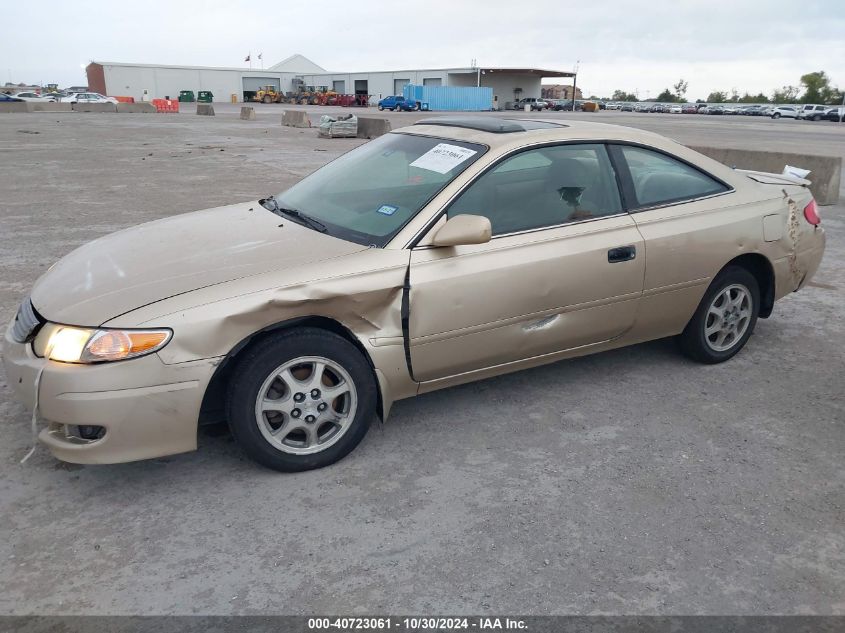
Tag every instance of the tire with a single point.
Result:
(267, 99)
(696, 343)
(816, 117)
(380, 107)
(776, 115)
(341, 422)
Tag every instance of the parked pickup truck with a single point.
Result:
(397, 102)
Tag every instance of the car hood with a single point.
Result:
(151, 262)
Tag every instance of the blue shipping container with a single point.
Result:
(455, 98)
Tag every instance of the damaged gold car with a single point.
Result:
(441, 253)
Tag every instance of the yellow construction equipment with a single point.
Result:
(268, 94)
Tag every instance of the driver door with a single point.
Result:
(564, 268)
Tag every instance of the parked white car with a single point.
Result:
(34, 96)
(88, 97)
(785, 112)
(812, 112)
(676, 109)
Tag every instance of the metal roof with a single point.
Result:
(539, 72)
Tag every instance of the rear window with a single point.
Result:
(660, 179)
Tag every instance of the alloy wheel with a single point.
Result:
(728, 317)
(306, 405)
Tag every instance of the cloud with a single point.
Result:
(626, 45)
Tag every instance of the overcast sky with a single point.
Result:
(634, 46)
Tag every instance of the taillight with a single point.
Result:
(811, 213)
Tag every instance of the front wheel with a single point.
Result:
(380, 107)
(725, 318)
(776, 115)
(817, 118)
(301, 400)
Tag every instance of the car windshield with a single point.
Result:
(369, 194)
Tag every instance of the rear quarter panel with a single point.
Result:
(688, 244)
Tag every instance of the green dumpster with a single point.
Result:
(205, 96)
(187, 96)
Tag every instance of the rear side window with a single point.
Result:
(660, 179)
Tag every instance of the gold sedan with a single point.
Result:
(444, 252)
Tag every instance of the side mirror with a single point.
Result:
(463, 230)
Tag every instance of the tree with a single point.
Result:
(717, 97)
(787, 94)
(621, 95)
(666, 96)
(817, 87)
(734, 95)
(681, 89)
(758, 98)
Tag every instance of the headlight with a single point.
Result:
(70, 344)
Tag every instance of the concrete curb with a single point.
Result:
(14, 106)
(369, 127)
(295, 118)
(136, 108)
(49, 107)
(94, 107)
(825, 171)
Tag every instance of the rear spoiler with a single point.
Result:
(774, 179)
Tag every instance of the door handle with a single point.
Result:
(621, 254)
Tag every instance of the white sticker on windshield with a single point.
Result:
(443, 158)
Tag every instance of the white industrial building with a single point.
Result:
(151, 81)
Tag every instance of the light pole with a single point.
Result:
(574, 82)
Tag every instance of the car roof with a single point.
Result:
(494, 125)
(500, 131)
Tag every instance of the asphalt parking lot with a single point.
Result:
(632, 481)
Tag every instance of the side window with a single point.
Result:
(543, 187)
(661, 179)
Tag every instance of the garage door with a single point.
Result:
(432, 81)
(398, 84)
(253, 84)
(339, 86)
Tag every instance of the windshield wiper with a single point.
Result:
(272, 204)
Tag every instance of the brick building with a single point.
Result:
(559, 91)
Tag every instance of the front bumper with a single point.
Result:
(146, 408)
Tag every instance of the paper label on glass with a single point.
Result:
(443, 158)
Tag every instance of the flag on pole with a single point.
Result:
(260, 55)
(248, 57)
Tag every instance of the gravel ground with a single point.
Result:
(628, 482)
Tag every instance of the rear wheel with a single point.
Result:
(725, 318)
(302, 400)
(380, 107)
(267, 99)
(776, 115)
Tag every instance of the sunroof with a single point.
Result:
(539, 125)
(490, 124)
